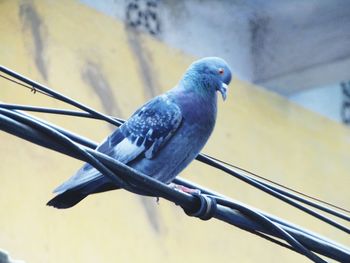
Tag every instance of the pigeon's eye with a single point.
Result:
(221, 71)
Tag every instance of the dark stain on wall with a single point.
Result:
(259, 26)
(93, 76)
(151, 87)
(33, 24)
(151, 210)
(144, 60)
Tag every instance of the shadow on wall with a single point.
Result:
(36, 43)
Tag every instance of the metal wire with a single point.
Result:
(32, 89)
(57, 95)
(271, 190)
(275, 191)
(241, 170)
(36, 132)
(56, 138)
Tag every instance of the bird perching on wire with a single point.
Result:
(162, 137)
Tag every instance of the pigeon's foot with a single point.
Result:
(184, 189)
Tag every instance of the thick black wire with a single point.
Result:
(54, 139)
(275, 228)
(93, 145)
(43, 129)
(57, 95)
(296, 231)
(273, 192)
(56, 111)
(287, 188)
(205, 159)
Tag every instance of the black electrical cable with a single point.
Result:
(56, 95)
(56, 111)
(93, 145)
(206, 159)
(285, 187)
(32, 89)
(264, 220)
(271, 191)
(291, 228)
(165, 191)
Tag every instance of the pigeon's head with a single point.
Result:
(212, 73)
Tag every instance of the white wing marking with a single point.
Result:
(126, 150)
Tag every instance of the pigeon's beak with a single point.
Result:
(223, 91)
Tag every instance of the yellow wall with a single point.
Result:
(95, 60)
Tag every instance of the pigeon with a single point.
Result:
(162, 137)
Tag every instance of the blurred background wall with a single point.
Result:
(113, 56)
(299, 49)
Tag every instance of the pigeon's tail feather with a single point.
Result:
(67, 199)
(74, 195)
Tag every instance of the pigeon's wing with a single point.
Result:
(146, 132)
(149, 128)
